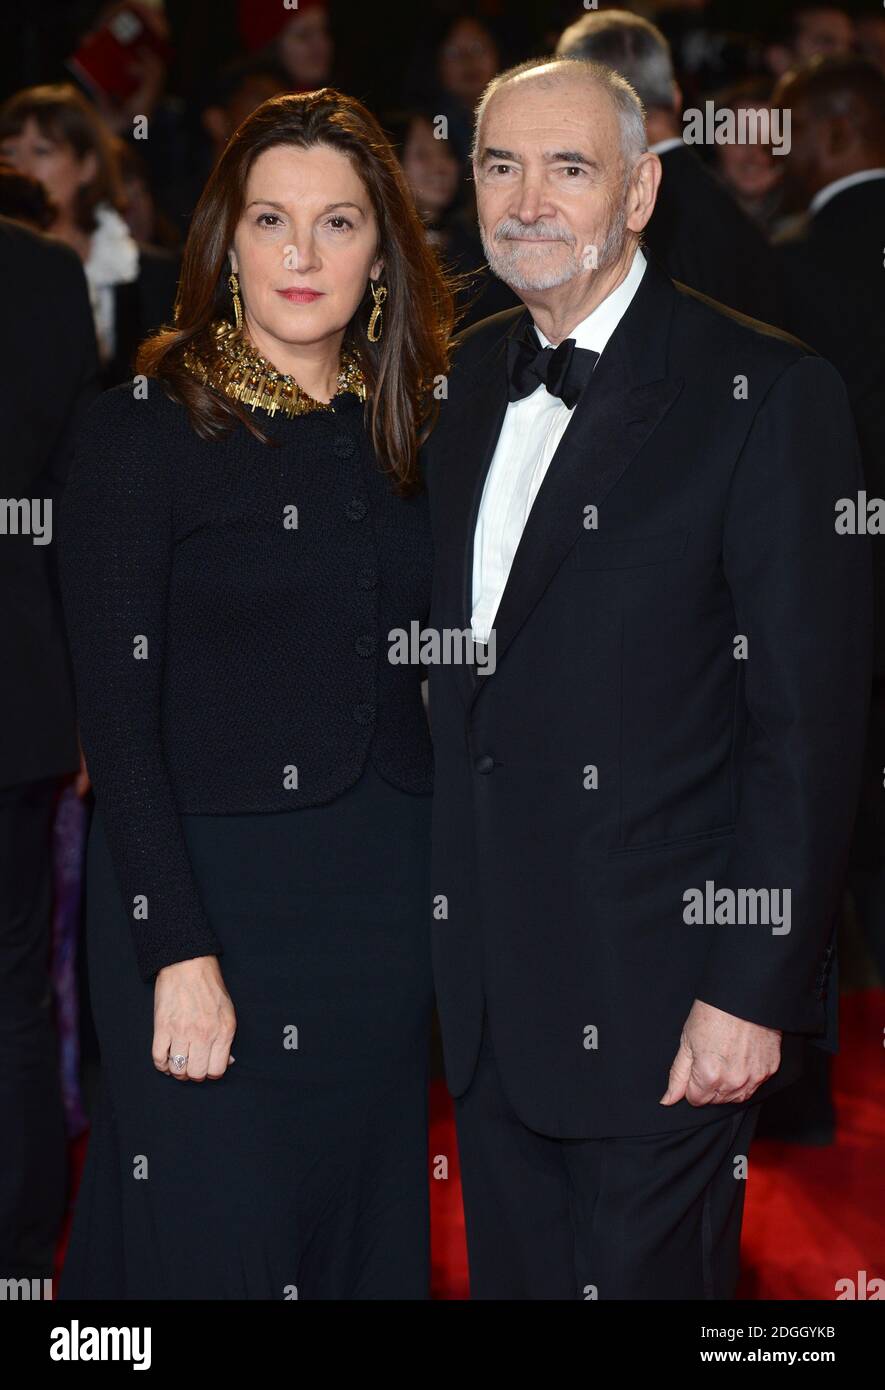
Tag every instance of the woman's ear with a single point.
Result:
(376, 269)
(232, 257)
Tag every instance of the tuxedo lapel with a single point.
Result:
(471, 443)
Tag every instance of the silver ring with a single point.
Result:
(178, 1061)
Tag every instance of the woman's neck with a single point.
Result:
(315, 366)
(67, 230)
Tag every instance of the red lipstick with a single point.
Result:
(296, 294)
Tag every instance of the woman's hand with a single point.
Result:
(193, 1018)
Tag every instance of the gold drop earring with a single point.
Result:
(379, 294)
(234, 286)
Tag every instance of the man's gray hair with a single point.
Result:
(628, 107)
(633, 46)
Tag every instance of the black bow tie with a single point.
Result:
(564, 370)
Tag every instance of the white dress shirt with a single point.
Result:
(529, 437)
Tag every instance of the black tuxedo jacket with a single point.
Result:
(48, 366)
(702, 238)
(558, 904)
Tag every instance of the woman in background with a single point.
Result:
(53, 134)
(146, 221)
(446, 206)
(749, 170)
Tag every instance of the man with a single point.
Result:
(698, 232)
(809, 31)
(48, 362)
(632, 493)
(835, 300)
(870, 31)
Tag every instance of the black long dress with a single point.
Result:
(303, 1172)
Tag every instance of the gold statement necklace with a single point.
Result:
(231, 365)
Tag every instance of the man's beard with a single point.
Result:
(507, 261)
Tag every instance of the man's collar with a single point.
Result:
(831, 190)
(595, 330)
(672, 142)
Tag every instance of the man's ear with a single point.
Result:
(643, 191)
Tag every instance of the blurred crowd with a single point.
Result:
(110, 144)
(113, 115)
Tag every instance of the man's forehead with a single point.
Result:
(566, 93)
(553, 115)
(571, 142)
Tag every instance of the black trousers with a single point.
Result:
(33, 1164)
(656, 1216)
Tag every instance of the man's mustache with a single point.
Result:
(538, 231)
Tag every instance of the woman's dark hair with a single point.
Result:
(401, 369)
(64, 115)
(133, 168)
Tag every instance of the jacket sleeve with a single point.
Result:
(115, 556)
(802, 596)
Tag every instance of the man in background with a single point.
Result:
(48, 365)
(810, 31)
(697, 231)
(834, 289)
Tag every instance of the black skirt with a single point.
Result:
(303, 1172)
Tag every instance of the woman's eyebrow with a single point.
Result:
(269, 203)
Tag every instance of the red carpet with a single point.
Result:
(817, 1215)
(813, 1215)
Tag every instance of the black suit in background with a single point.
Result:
(563, 906)
(47, 376)
(834, 298)
(140, 306)
(703, 238)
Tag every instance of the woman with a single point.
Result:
(53, 134)
(448, 213)
(295, 37)
(749, 170)
(144, 217)
(236, 544)
(456, 59)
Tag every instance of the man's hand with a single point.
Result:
(721, 1059)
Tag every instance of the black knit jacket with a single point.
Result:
(228, 607)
